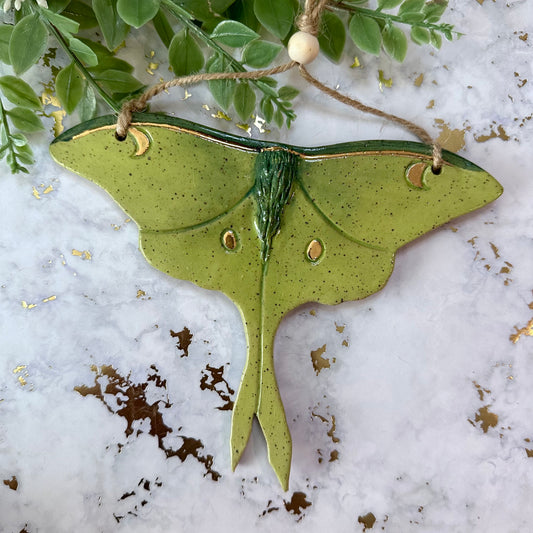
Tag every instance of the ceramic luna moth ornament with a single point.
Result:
(270, 225)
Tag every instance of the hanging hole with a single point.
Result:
(436, 170)
(119, 137)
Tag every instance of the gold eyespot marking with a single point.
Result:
(229, 240)
(141, 140)
(415, 174)
(315, 249)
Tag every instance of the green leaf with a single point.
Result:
(137, 13)
(278, 118)
(222, 90)
(365, 33)
(332, 36)
(19, 139)
(244, 100)
(259, 54)
(411, 6)
(5, 36)
(25, 120)
(83, 52)
(412, 17)
(233, 33)
(395, 42)
(118, 81)
(243, 11)
(205, 10)
(434, 10)
(82, 13)
(435, 39)
(111, 63)
(87, 105)
(267, 108)
(69, 87)
(184, 54)
(388, 4)
(163, 28)
(63, 24)
(288, 93)
(420, 35)
(28, 43)
(112, 26)
(57, 6)
(18, 92)
(277, 16)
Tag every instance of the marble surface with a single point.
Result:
(410, 411)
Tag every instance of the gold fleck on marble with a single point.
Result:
(58, 115)
(481, 391)
(356, 63)
(345, 343)
(431, 104)
(319, 362)
(49, 299)
(85, 254)
(152, 67)
(48, 190)
(521, 82)
(19, 369)
(312, 312)
(12, 483)
(419, 80)
(495, 250)
(496, 132)
(522, 35)
(221, 115)
(297, 503)
(333, 427)
(450, 139)
(245, 127)
(206, 107)
(339, 329)
(140, 293)
(35, 193)
(486, 418)
(368, 520)
(527, 331)
(132, 401)
(26, 305)
(384, 82)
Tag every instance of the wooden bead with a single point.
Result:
(303, 47)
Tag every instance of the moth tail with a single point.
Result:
(244, 409)
(271, 416)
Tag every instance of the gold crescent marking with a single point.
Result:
(142, 140)
(315, 250)
(415, 174)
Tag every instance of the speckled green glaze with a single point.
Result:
(192, 184)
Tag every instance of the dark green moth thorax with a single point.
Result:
(275, 171)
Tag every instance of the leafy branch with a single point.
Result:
(205, 35)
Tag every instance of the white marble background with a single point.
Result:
(431, 399)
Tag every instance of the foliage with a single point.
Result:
(210, 35)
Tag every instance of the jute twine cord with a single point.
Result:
(308, 22)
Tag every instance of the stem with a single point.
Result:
(185, 18)
(392, 18)
(9, 142)
(79, 65)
